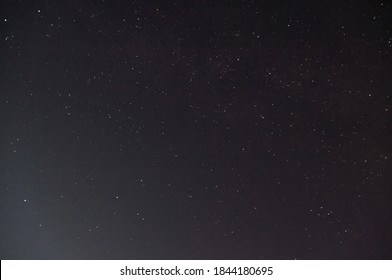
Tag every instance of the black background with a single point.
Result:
(195, 130)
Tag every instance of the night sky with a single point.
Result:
(195, 130)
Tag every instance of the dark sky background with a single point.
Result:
(195, 130)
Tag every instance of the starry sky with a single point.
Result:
(195, 129)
